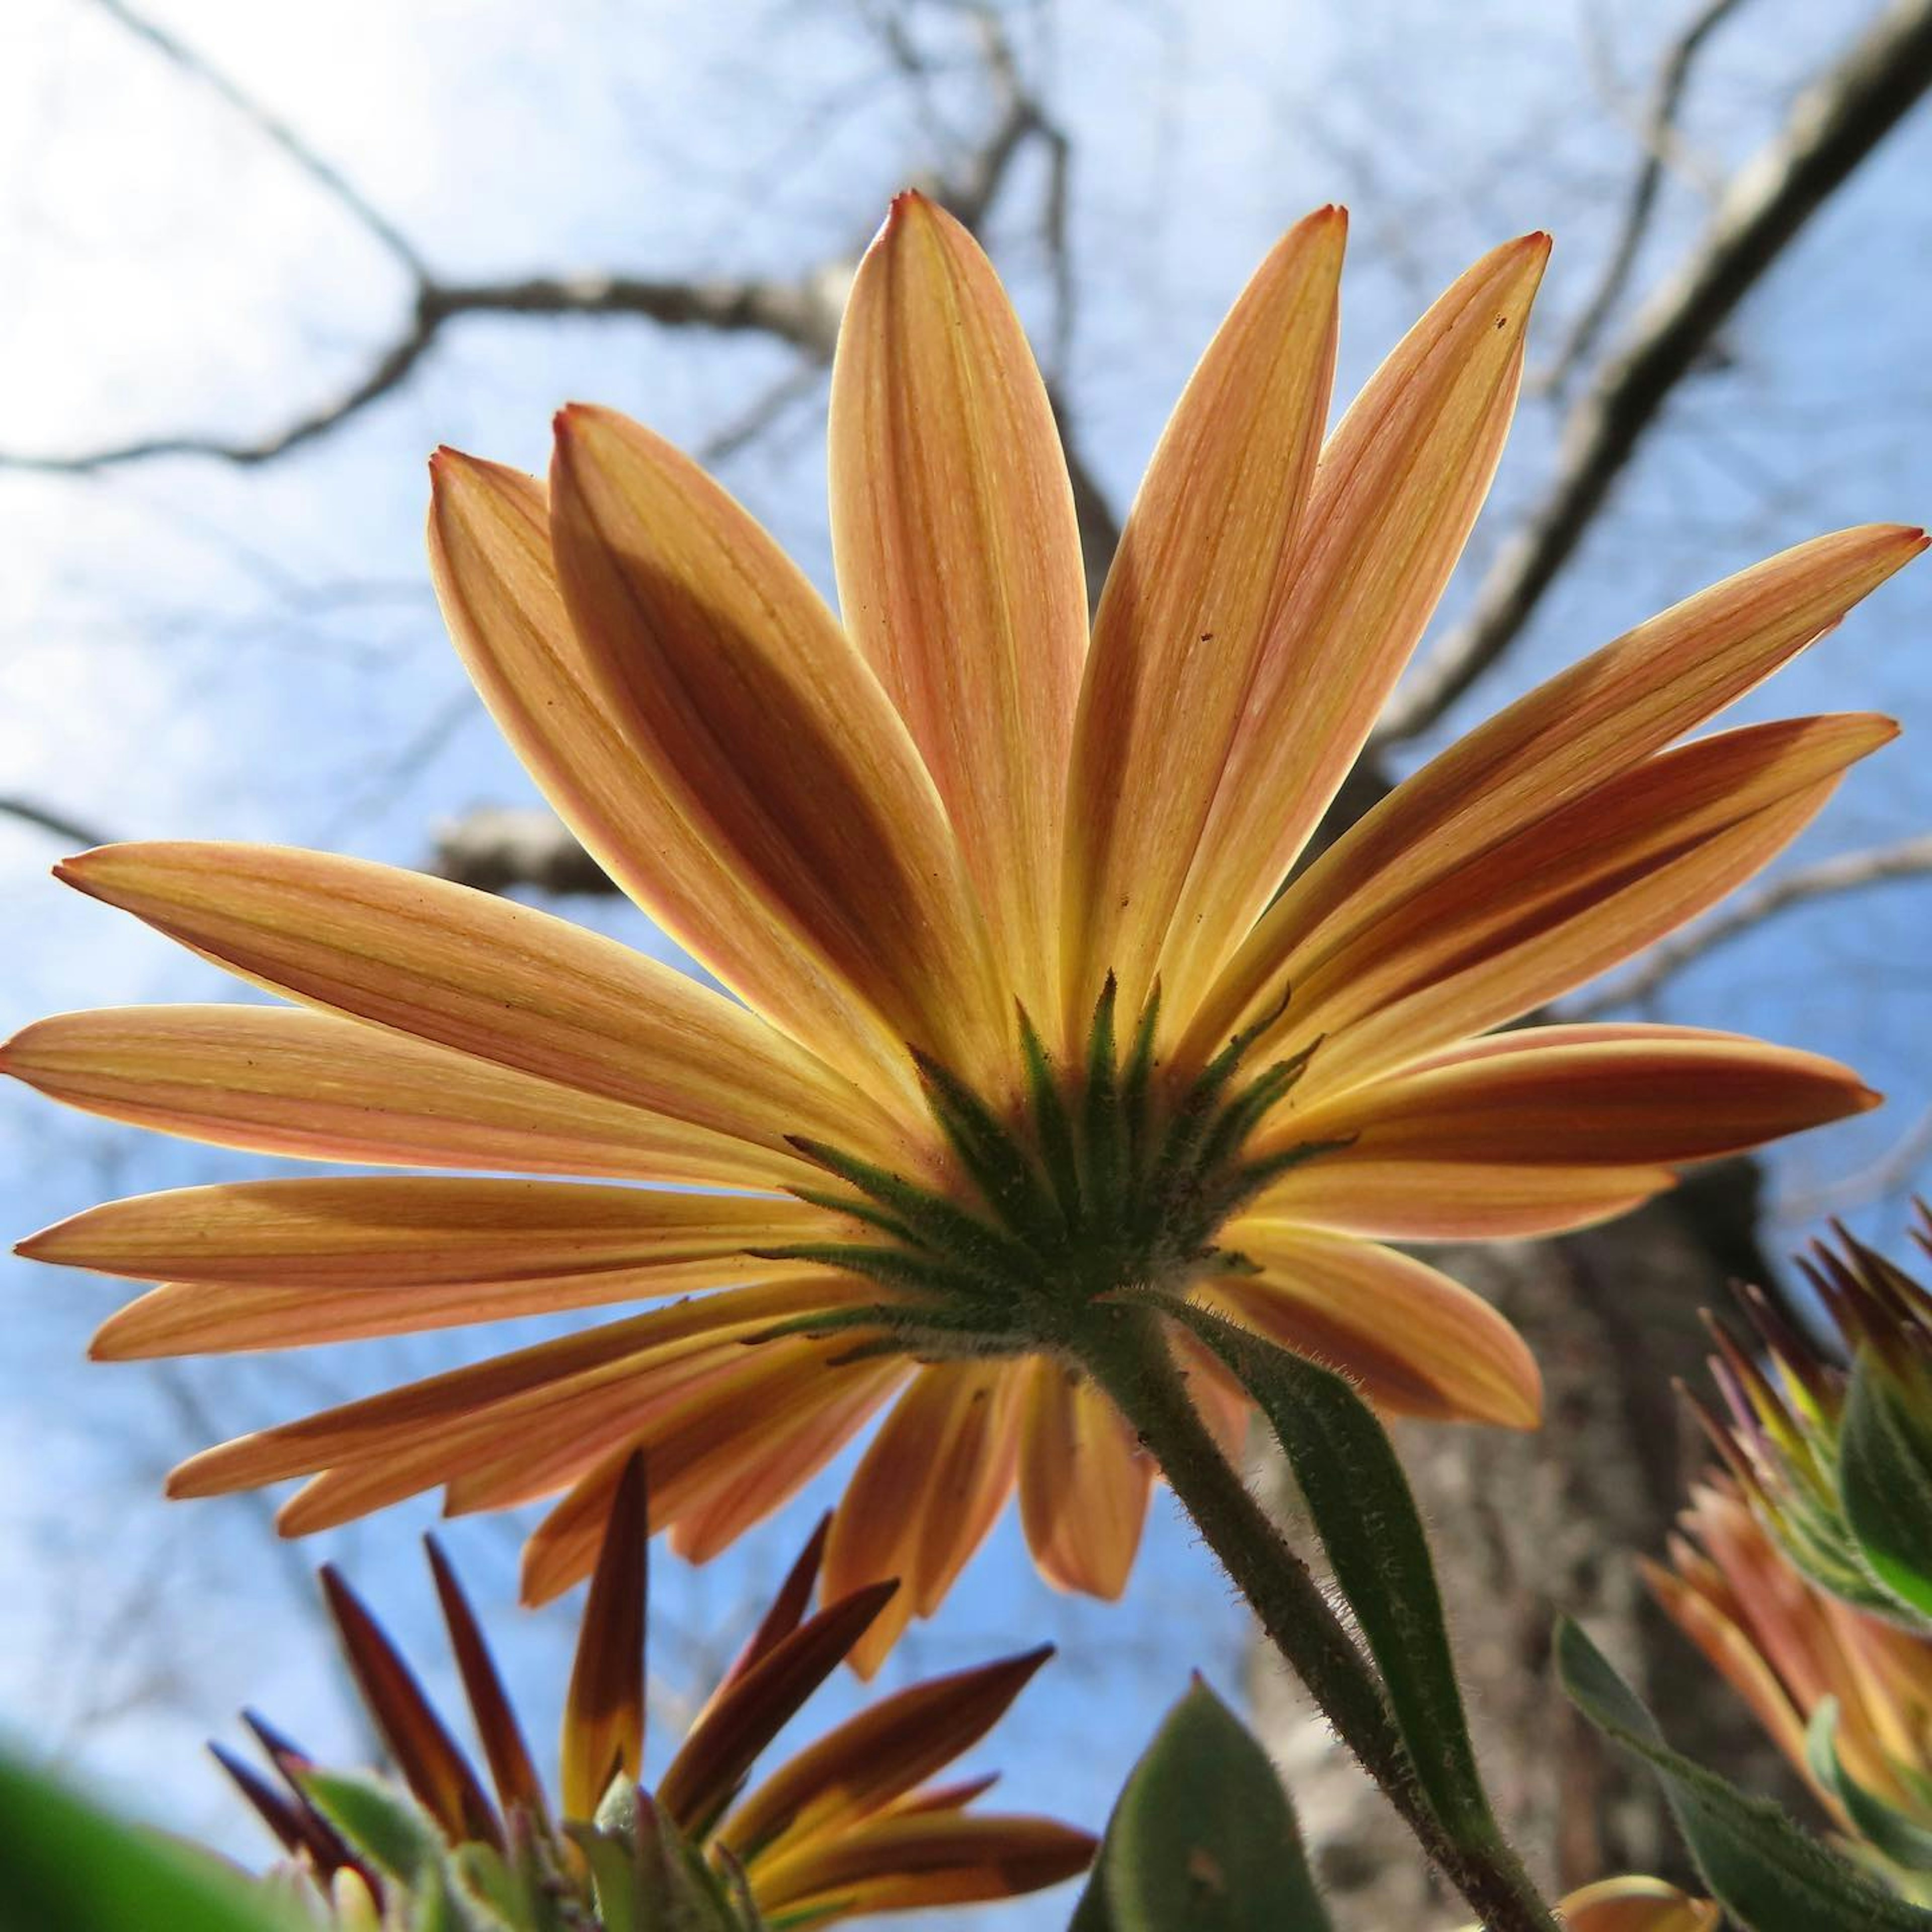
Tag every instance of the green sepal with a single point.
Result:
(1137, 1082)
(996, 1161)
(1053, 1128)
(1884, 1474)
(1249, 1108)
(1905, 1843)
(891, 1268)
(1203, 1838)
(936, 1224)
(1757, 1862)
(1104, 1138)
(72, 1867)
(1364, 1511)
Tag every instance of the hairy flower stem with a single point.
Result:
(1128, 1357)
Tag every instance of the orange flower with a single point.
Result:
(1003, 907)
(1634, 1905)
(848, 1827)
(1787, 1646)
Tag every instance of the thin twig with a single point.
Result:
(72, 831)
(1848, 872)
(273, 129)
(1659, 138)
(1833, 126)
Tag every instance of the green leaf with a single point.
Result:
(378, 1819)
(69, 1868)
(1885, 1472)
(1904, 1842)
(1203, 1838)
(1765, 1871)
(1365, 1514)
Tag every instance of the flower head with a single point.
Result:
(848, 1827)
(1026, 1016)
(1786, 1394)
(1846, 1695)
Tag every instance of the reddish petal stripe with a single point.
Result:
(1084, 1483)
(781, 752)
(1196, 588)
(501, 982)
(1395, 494)
(1569, 896)
(959, 559)
(490, 555)
(1613, 1096)
(273, 1081)
(1568, 737)
(1419, 1343)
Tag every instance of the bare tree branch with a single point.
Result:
(1659, 140)
(1894, 1171)
(324, 173)
(72, 831)
(804, 311)
(1848, 872)
(1832, 127)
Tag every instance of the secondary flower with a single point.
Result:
(1786, 1399)
(1028, 1017)
(1634, 1905)
(1846, 1695)
(848, 1827)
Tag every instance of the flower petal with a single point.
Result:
(1196, 590)
(1084, 1483)
(1571, 735)
(278, 1081)
(709, 1442)
(1635, 1905)
(1419, 1343)
(1395, 493)
(869, 1761)
(490, 554)
(906, 1860)
(959, 559)
(286, 1263)
(1355, 1191)
(924, 1494)
(772, 736)
(1569, 896)
(500, 981)
(484, 1400)
(1610, 1095)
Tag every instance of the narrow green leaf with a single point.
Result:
(1765, 1870)
(1884, 1471)
(1905, 1843)
(1363, 1510)
(1203, 1839)
(70, 1867)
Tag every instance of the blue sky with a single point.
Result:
(190, 649)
